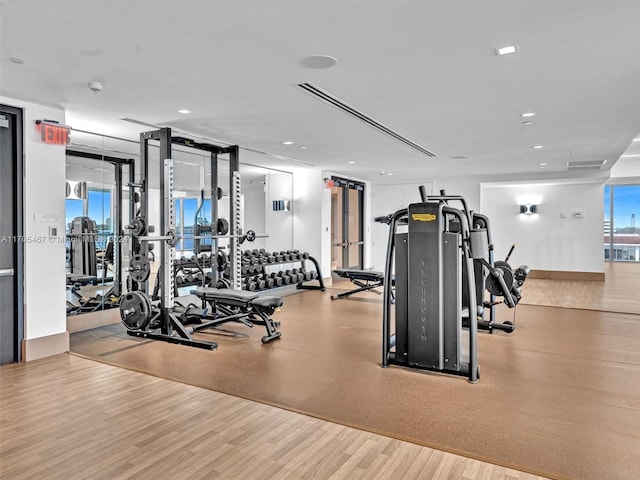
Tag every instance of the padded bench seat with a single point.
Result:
(369, 275)
(213, 294)
(365, 280)
(226, 295)
(241, 306)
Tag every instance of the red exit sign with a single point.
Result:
(54, 133)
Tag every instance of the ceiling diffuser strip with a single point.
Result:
(585, 165)
(327, 97)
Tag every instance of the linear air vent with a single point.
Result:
(586, 165)
(348, 109)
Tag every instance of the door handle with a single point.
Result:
(6, 272)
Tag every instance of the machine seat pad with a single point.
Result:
(222, 294)
(268, 301)
(369, 275)
(79, 278)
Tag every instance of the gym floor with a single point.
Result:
(559, 398)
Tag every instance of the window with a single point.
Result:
(73, 208)
(621, 235)
(99, 210)
(185, 214)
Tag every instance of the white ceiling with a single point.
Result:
(425, 69)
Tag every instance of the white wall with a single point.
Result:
(554, 239)
(545, 241)
(44, 197)
(254, 208)
(279, 224)
(627, 168)
(387, 199)
(312, 217)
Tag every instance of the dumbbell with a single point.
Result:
(251, 285)
(277, 280)
(269, 281)
(179, 280)
(188, 278)
(199, 277)
(314, 274)
(286, 279)
(295, 255)
(299, 274)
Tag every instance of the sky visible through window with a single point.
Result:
(626, 207)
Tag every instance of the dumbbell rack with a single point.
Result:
(255, 276)
(190, 272)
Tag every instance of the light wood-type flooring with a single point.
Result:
(620, 291)
(565, 385)
(70, 418)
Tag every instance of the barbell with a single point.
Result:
(171, 237)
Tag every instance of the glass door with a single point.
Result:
(347, 242)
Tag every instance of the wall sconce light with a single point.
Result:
(528, 209)
(281, 206)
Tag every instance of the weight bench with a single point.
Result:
(240, 306)
(364, 279)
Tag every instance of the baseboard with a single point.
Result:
(89, 321)
(561, 275)
(35, 348)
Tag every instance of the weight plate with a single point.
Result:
(139, 268)
(251, 235)
(135, 311)
(222, 226)
(172, 239)
(138, 227)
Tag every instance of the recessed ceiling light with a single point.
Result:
(630, 156)
(288, 142)
(507, 50)
(543, 164)
(184, 112)
(319, 61)
(537, 147)
(636, 139)
(16, 60)
(528, 122)
(390, 174)
(351, 162)
(302, 147)
(528, 114)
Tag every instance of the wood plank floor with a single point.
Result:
(559, 398)
(66, 417)
(620, 291)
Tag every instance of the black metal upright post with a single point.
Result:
(117, 243)
(143, 247)
(166, 224)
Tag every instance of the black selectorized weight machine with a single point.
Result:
(438, 252)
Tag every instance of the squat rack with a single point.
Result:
(137, 306)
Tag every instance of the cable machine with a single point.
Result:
(443, 262)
